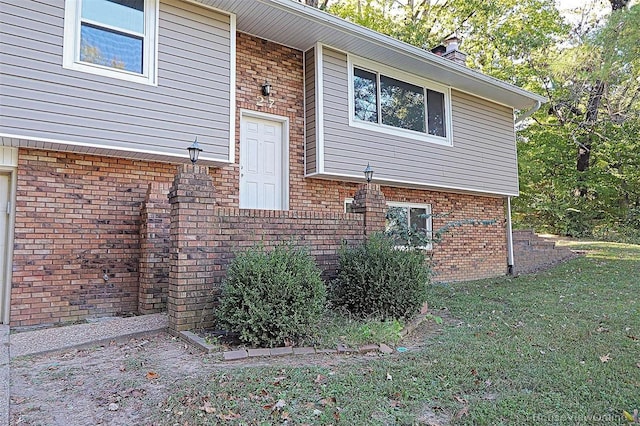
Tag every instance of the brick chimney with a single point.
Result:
(449, 50)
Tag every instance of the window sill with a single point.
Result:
(408, 134)
(109, 72)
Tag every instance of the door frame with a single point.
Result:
(5, 290)
(284, 122)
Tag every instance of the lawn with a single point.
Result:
(558, 347)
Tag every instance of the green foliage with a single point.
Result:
(376, 279)
(527, 43)
(272, 297)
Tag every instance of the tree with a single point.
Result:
(578, 155)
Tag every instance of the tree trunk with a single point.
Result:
(595, 96)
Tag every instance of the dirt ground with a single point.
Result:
(126, 383)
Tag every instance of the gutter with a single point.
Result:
(528, 113)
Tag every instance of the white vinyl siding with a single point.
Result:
(46, 105)
(481, 158)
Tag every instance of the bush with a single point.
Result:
(376, 279)
(272, 297)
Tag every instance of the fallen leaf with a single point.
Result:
(327, 401)
(113, 407)
(229, 416)
(275, 407)
(152, 375)
(395, 403)
(320, 379)
(207, 408)
(277, 380)
(336, 415)
(605, 358)
(633, 418)
(460, 399)
(602, 330)
(463, 412)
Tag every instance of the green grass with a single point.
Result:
(523, 350)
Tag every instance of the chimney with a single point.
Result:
(451, 50)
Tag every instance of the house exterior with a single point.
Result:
(99, 101)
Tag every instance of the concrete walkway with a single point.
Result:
(73, 336)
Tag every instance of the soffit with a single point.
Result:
(299, 26)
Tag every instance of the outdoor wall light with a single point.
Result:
(266, 89)
(368, 173)
(194, 151)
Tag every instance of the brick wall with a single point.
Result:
(77, 216)
(154, 250)
(205, 238)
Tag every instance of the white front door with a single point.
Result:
(5, 194)
(262, 164)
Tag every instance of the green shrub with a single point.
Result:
(272, 297)
(377, 279)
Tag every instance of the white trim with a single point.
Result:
(347, 201)
(428, 210)
(184, 157)
(232, 88)
(284, 121)
(8, 273)
(304, 112)
(510, 258)
(71, 45)
(378, 69)
(409, 184)
(319, 109)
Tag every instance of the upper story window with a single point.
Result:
(115, 38)
(395, 102)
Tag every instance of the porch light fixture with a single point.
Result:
(194, 151)
(266, 89)
(368, 173)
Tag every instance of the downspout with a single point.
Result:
(510, 260)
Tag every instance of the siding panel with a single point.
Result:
(310, 111)
(482, 158)
(40, 99)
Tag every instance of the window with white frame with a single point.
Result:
(393, 100)
(115, 38)
(348, 205)
(410, 224)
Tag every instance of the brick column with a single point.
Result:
(192, 236)
(369, 200)
(154, 250)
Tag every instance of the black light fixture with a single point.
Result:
(368, 173)
(194, 151)
(266, 89)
